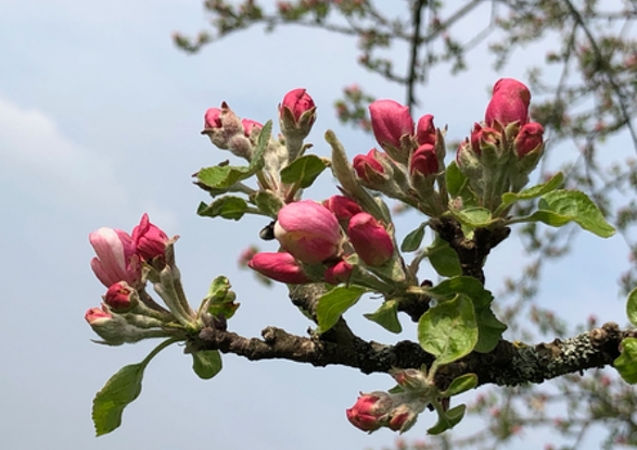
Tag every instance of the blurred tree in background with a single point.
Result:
(585, 91)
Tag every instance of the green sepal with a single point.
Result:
(448, 419)
(631, 307)
(206, 363)
(461, 384)
(303, 171)
(334, 303)
(560, 207)
(386, 316)
(228, 207)
(449, 330)
(443, 258)
(413, 240)
(626, 363)
(120, 390)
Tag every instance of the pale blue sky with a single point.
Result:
(99, 122)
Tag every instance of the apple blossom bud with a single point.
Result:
(120, 297)
(390, 122)
(424, 161)
(309, 231)
(528, 139)
(95, 316)
(370, 239)
(370, 412)
(117, 258)
(425, 130)
(402, 418)
(280, 266)
(342, 207)
(338, 273)
(298, 102)
(509, 103)
(250, 126)
(212, 118)
(114, 329)
(149, 239)
(484, 137)
(369, 168)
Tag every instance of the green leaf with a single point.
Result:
(473, 216)
(455, 179)
(490, 328)
(461, 384)
(448, 420)
(222, 177)
(631, 307)
(555, 182)
(626, 363)
(206, 363)
(559, 207)
(303, 171)
(220, 298)
(268, 203)
(120, 390)
(443, 258)
(334, 303)
(257, 162)
(386, 316)
(228, 207)
(449, 330)
(413, 239)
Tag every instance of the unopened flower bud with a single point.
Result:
(212, 118)
(369, 168)
(149, 239)
(391, 121)
(484, 137)
(120, 297)
(338, 273)
(424, 161)
(309, 231)
(116, 257)
(529, 138)
(297, 114)
(114, 330)
(510, 103)
(370, 412)
(370, 240)
(96, 316)
(402, 418)
(250, 127)
(425, 130)
(280, 266)
(342, 207)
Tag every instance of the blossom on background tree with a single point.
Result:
(333, 252)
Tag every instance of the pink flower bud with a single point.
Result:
(212, 118)
(370, 239)
(424, 161)
(149, 239)
(309, 231)
(280, 266)
(249, 126)
(402, 418)
(528, 139)
(390, 122)
(342, 207)
(117, 258)
(483, 136)
(368, 167)
(425, 130)
(95, 316)
(369, 413)
(120, 297)
(509, 103)
(338, 273)
(297, 101)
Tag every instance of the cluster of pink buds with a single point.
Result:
(380, 409)
(123, 317)
(319, 240)
(227, 131)
(413, 157)
(505, 148)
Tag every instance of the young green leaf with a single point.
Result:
(268, 203)
(222, 177)
(508, 198)
(631, 307)
(257, 162)
(228, 207)
(120, 390)
(334, 303)
(626, 363)
(443, 258)
(413, 239)
(447, 420)
(449, 330)
(386, 316)
(461, 384)
(559, 207)
(206, 363)
(303, 170)
(473, 216)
